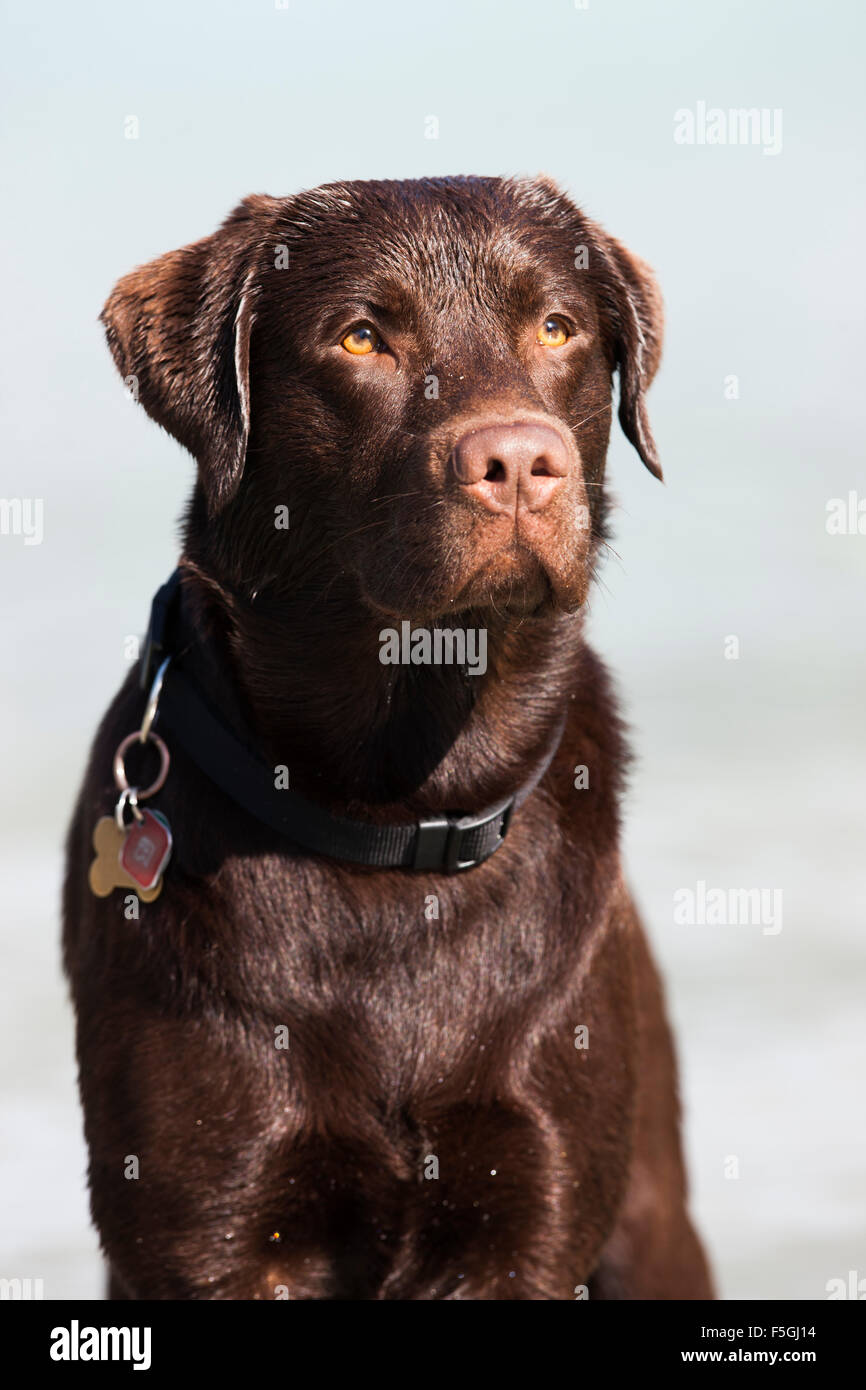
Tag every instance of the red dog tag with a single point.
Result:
(146, 849)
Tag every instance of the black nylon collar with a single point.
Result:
(449, 843)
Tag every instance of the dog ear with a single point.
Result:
(180, 328)
(634, 312)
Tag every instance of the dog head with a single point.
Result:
(416, 375)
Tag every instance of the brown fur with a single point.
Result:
(409, 1037)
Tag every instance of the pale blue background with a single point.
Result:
(751, 772)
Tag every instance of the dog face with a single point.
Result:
(420, 372)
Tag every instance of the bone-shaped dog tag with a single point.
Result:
(107, 872)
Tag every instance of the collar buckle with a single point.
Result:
(442, 841)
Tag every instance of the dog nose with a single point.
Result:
(506, 467)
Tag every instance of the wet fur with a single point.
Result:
(265, 1171)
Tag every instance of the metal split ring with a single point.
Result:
(128, 797)
(120, 771)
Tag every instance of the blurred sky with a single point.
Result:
(750, 772)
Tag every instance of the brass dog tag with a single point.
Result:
(106, 871)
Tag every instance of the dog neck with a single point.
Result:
(308, 679)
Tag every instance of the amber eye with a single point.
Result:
(553, 333)
(361, 341)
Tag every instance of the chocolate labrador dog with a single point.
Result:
(384, 1025)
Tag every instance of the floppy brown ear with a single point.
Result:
(180, 327)
(635, 314)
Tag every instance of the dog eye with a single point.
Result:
(553, 333)
(361, 341)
